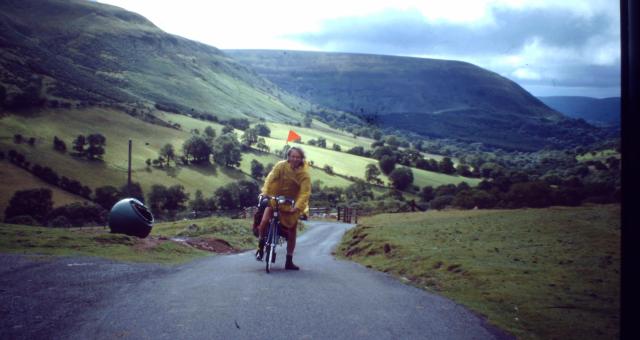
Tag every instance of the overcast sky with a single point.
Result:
(556, 47)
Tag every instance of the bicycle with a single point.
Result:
(275, 234)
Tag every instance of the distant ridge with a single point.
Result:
(601, 112)
(434, 98)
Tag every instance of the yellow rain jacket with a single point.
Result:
(296, 184)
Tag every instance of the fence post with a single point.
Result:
(338, 213)
(355, 214)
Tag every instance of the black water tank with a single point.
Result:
(129, 216)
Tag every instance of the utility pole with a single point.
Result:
(129, 172)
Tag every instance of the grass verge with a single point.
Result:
(537, 273)
(214, 234)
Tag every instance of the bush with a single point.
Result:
(80, 214)
(35, 202)
(22, 220)
(59, 222)
(441, 202)
(401, 178)
(328, 169)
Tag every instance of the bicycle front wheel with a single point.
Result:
(270, 254)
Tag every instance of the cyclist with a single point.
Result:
(289, 178)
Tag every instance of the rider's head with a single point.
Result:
(295, 156)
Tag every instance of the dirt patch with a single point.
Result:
(148, 243)
(215, 245)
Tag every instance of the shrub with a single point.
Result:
(22, 220)
(80, 214)
(34, 202)
(59, 222)
(441, 202)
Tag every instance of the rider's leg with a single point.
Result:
(262, 227)
(291, 245)
(268, 212)
(291, 239)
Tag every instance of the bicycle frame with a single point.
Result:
(273, 232)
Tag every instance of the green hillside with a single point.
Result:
(434, 98)
(81, 52)
(13, 178)
(118, 128)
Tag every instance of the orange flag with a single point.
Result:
(292, 136)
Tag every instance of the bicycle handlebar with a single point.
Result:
(279, 200)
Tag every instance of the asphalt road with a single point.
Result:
(231, 297)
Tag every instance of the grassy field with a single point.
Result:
(157, 248)
(598, 156)
(148, 139)
(538, 273)
(118, 128)
(13, 178)
(316, 174)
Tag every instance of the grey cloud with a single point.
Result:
(407, 32)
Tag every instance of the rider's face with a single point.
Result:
(295, 158)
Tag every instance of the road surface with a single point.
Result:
(230, 297)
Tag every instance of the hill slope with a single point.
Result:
(85, 52)
(436, 98)
(600, 112)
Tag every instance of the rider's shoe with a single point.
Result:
(289, 264)
(260, 251)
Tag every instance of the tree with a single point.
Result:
(427, 194)
(322, 142)
(307, 120)
(157, 197)
(446, 166)
(80, 214)
(227, 129)
(59, 145)
(359, 191)
(441, 202)
(382, 151)
(226, 150)
(167, 152)
(356, 150)
(328, 169)
(79, 144)
(239, 123)
(96, 142)
(209, 133)
(263, 130)
(387, 164)
(401, 178)
(531, 194)
(337, 147)
(196, 148)
(463, 170)
(446, 189)
(135, 191)
(464, 199)
(199, 203)
(227, 197)
(36, 203)
(262, 145)
(257, 169)
(249, 137)
(106, 196)
(175, 199)
(248, 192)
(371, 174)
